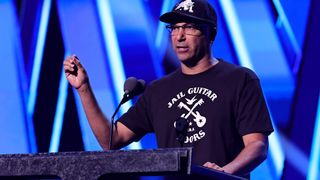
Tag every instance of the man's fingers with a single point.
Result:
(68, 62)
(68, 68)
(74, 60)
(71, 64)
(76, 57)
(213, 166)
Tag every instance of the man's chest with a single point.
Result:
(202, 108)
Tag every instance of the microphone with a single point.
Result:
(181, 126)
(132, 87)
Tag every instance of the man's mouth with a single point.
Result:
(182, 49)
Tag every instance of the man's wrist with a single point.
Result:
(84, 88)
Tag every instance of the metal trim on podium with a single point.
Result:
(170, 163)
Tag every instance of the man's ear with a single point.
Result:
(212, 34)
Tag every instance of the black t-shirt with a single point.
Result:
(220, 106)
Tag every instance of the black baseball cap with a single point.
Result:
(197, 11)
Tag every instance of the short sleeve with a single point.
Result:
(252, 114)
(137, 118)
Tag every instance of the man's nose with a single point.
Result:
(181, 34)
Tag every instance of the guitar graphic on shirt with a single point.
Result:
(198, 118)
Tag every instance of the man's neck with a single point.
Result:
(200, 67)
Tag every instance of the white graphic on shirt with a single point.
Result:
(190, 102)
(186, 5)
(190, 110)
(198, 118)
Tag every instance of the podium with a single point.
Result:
(172, 163)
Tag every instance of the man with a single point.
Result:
(221, 105)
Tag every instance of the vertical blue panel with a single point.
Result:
(222, 46)
(136, 39)
(114, 55)
(291, 23)
(82, 36)
(162, 35)
(45, 13)
(13, 135)
(314, 166)
(291, 45)
(60, 109)
(297, 13)
(258, 48)
(263, 47)
(37, 61)
(112, 49)
(236, 33)
(306, 102)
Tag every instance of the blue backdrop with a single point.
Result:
(114, 40)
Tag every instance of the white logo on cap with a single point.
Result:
(186, 5)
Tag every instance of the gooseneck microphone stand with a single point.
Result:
(124, 99)
(181, 126)
(132, 87)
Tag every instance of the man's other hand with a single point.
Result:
(74, 71)
(213, 166)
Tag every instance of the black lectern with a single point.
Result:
(169, 163)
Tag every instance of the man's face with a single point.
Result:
(189, 43)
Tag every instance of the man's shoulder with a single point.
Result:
(165, 80)
(237, 71)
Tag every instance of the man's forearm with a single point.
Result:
(98, 122)
(248, 159)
